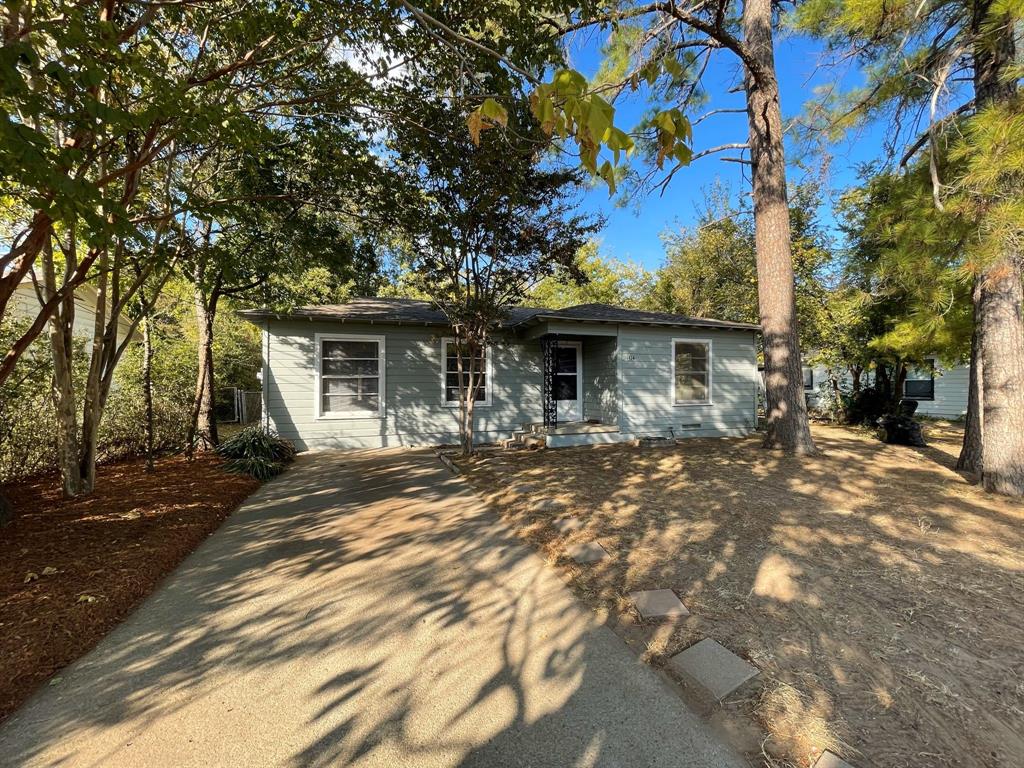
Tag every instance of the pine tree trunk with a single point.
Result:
(788, 427)
(1000, 310)
(970, 459)
(1002, 375)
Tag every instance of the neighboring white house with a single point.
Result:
(384, 372)
(940, 391)
(25, 305)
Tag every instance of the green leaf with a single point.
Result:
(569, 82)
(599, 117)
(494, 112)
(607, 173)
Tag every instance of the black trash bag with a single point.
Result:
(908, 407)
(902, 430)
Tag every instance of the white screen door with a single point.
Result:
(569, 381)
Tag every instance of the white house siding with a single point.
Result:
(25, 307)
(600, 387)
(646, 389)
(952, 385)
(414, 410)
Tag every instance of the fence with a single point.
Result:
(239, 406)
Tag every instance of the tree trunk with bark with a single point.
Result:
(1002, 375)
(6, 512)
(788, 427)
(855, 374)
(203, 428)
(970, 459)
(147, 381)
(62, 390)
(95, 397)
(1000, 309)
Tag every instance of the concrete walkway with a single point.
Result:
(365, 609)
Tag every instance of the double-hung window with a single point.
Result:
(691, 372)
(350, 380)
(450, 373)
(920, 382)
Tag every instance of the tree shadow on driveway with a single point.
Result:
(363, 609)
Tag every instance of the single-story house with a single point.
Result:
(941, 391)
(378, 372)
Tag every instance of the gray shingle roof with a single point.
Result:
(608, 313)
(416, 312)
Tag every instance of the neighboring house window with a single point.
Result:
(450, 373)
(920, 382)
(808, 378)
(350, 381)
(691, 372)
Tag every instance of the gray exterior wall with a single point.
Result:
(952, 386)
(627, 376)
(414, 408)
(646, 387)
(600, 383)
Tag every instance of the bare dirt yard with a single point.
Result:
(880, 593)
(71, 570)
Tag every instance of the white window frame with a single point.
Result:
(672, 381)
(444, 376)
(319, 339)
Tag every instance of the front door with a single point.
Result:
(569, 381)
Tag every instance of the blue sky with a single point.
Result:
(633, 232)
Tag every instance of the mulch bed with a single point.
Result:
(877, 590)
(70, 570)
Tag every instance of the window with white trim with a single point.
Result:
(691, 371)
(808, 378)
(920, 382)
(450, 373)
(351, 374)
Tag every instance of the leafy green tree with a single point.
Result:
(94, 97)
(711, 269)
(484, 222)
(605, 281)
(955, 62)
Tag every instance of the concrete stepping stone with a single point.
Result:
(588, 552)
(713, 668)
(568, 524)
(658, 604)
(548, 505)
(831, 760)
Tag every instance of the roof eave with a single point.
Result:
(725, 326)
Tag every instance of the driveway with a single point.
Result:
(364, 609)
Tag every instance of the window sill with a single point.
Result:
(350, 416)
(692, 404)
(484, 404)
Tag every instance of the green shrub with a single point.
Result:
(256, 452)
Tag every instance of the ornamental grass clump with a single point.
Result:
(256, 452)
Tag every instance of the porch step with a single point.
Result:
(521, 441)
